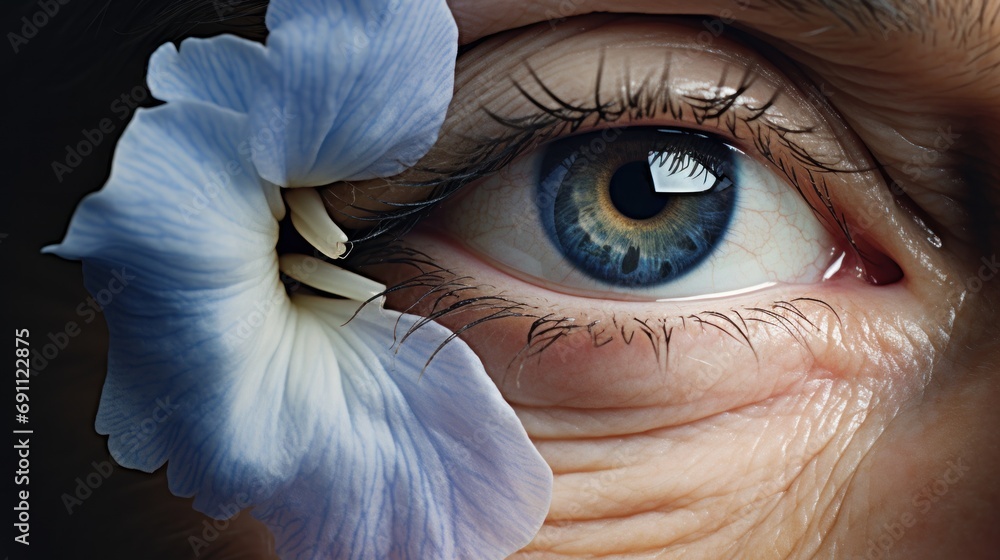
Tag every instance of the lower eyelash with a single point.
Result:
(439, 285)
(449, 294)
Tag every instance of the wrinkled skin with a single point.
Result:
(893, 423)
(879, 440)
(870, 434)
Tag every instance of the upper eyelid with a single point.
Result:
(635, 105)
(801, 112)
(483, 156)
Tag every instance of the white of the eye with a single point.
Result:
(774, 236)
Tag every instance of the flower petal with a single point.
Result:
(365, 86)
(438, 458)
(346, 449)
(224, 71)
(182, 239)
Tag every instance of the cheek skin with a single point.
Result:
(662, 449)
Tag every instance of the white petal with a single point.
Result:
(438, 459)
(345, 449)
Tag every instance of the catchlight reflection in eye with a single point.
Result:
(657, 213)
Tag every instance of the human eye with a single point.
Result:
(658, 172)
(542, 194)
(615, 318)
(593, 195)
(643, 213)
(709, 202)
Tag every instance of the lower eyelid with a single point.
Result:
(666, 364)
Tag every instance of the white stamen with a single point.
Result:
(329, 278)
(311, 220)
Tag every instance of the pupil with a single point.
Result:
(632, 191)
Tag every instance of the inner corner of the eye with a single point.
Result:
(869, 262)
(879, 268)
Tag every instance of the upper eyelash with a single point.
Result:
(651, 98)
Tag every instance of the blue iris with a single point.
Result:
(620, 209)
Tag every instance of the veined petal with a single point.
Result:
(365, 86)
(183, 234)
(178, 180)
(224, 71)
(346, 450)
(438, 459)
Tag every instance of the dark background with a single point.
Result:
(82, 68)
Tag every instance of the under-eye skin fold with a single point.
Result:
(505, 186)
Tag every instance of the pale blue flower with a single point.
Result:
(337, 441)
